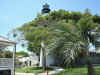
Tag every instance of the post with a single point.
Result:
(14, 59)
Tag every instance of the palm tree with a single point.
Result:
(72, 39)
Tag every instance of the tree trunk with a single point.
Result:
(89, 64)
(90, 67)
(43, 56)
(44, 62)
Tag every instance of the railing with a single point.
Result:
(6, 63)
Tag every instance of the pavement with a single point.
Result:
(56, 70)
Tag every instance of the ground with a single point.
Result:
(78, 71)
(32, 70)
(69, 71)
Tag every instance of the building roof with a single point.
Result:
(4, 42)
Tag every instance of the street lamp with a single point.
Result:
(45, 10)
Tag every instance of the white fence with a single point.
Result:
(6, 63)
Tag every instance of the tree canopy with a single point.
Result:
(22, 54)
(6, 54)
(42, 26)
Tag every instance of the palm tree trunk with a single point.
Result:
(89, 65)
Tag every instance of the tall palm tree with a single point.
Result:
(71, 39)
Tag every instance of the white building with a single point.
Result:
(32, 60)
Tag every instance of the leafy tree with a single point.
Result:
(8, 54)
(40, 27)
(43, 27)
(74, 39)
(22, 53)
(34, 30)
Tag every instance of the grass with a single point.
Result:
(78, 71)
(32, 70)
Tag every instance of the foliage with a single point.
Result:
(6, 54)
(42, 26)
(22, 53)
(18, 63)
(65, 33)
(75, 38)
(78, 71)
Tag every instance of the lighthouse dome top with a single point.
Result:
(45, 9)
(45, 5)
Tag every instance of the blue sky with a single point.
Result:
(14, 13)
